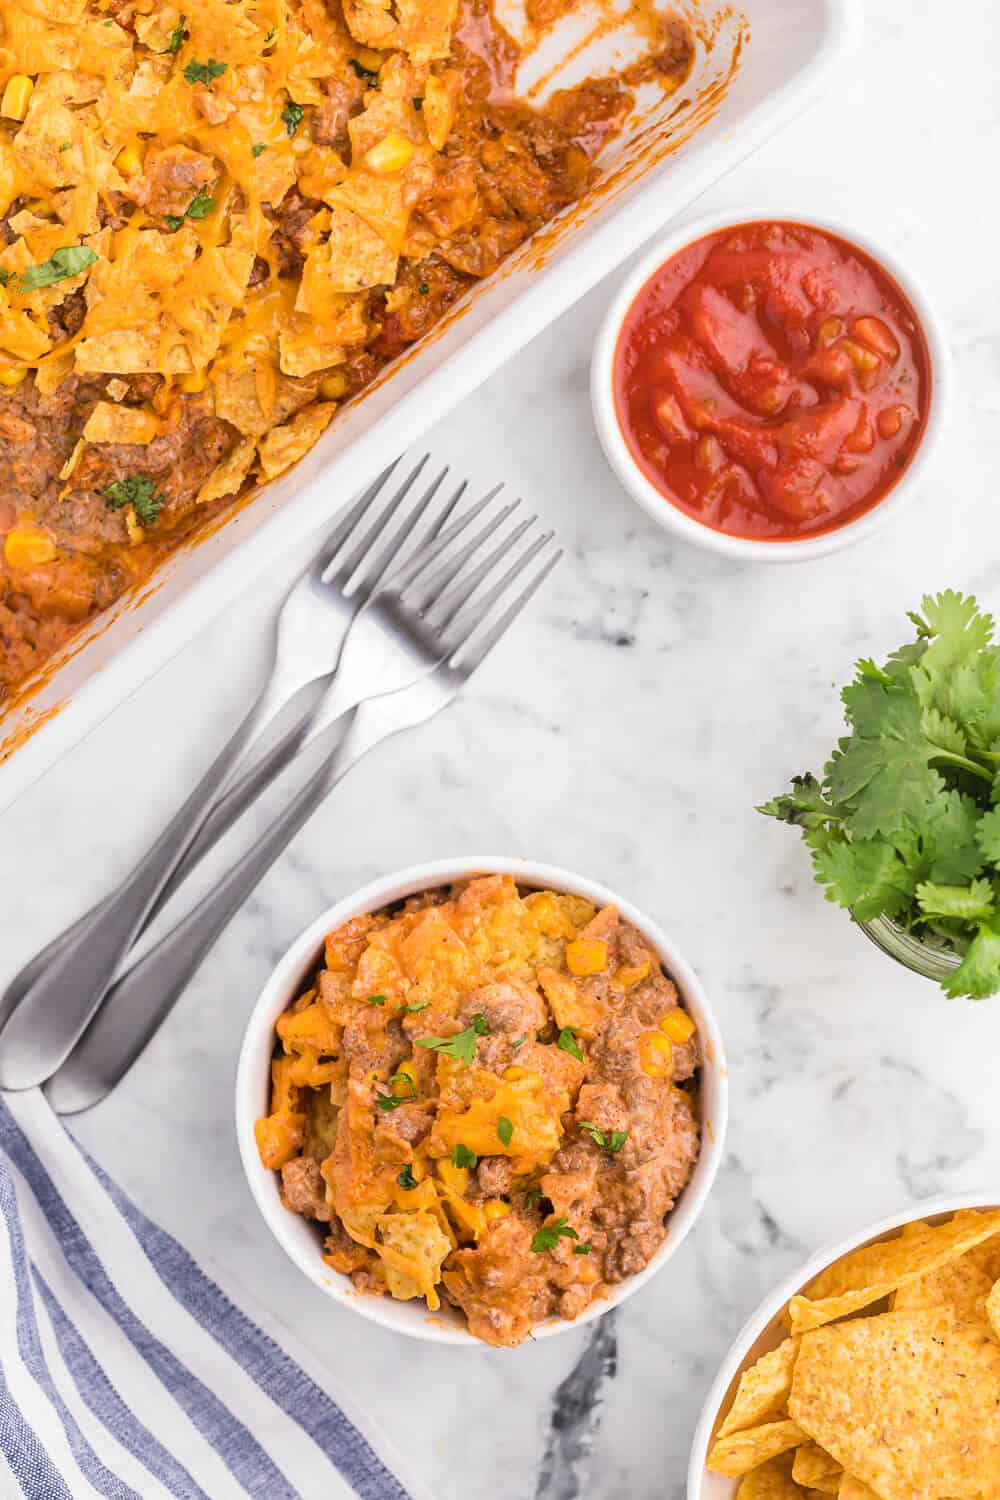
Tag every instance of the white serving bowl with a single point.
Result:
(301, 1239)
(765, 1331)
(670, 516)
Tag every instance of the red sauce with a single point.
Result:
(772, 381)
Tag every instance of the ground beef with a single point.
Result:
(303, 1189)
(170, 178)
(291, 220)
(493, 1178)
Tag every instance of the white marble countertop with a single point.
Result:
(625, 731)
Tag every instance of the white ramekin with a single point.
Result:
(670, 516)
(300, 1238)
(765, 1331)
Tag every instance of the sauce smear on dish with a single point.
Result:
(772, 381)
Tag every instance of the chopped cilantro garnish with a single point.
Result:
(365, 74)
(201, 205)
(568, 1042)
(423, 289)
(292, 116)
(66, 146)
(532, 1196)
(505, 1129)
(389, 1102)
(258, 150)
(462, 1045)
(69, 260)
(463, 1157)
(418, 104)
(519, 1043)
(583, 1249)
(376, 999)
(406, 1178)
(613, 1142)
(549, 1235)
(4, 277)
(139, 491)
(411, 1010)
(206, 73)
(174, 221)
(177, 36)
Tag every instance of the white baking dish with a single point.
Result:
(758, 65)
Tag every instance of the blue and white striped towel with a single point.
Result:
(127, 1373)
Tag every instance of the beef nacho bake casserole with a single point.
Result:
(487, 1098)
(220, 220)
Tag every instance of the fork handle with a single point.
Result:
(56, 1006)
(138, 1003)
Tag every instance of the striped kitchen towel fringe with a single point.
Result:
(128, 1373)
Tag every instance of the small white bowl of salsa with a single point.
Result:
(771, 389)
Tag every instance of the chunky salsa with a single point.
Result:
(486, 1098)
(772, 381)
(219, 219)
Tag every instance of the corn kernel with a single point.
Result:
(369, 59)
(26, 548)
(678, 1026)
(391, 154)
(192, 384)
(129, 160)
(11, 375)
(629, 975)
(495, 1209)
(514, 1074)
(656, 1055)
(333, 387)
(408, 1070)
(586, 956)
(14, 104)
(456, 1178)
(135, 536)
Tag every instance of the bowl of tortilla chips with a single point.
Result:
(872, 1374)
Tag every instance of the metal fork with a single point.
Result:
(56, 994)
(458, 623)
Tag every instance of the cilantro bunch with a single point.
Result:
(905, 823)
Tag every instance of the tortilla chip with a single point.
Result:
(353, 257)
(993, 1308)
(763, 1389)
(283, 446)
(771, 1481)
(816, 1469)
(875, 1271)
(907, 1402)
(742, 1451)
(108, 423)
(228, 477)
(962, 1284)
(855, 1489)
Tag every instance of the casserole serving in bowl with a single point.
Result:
(749, 73)
(482, 1099)
(875, 1364)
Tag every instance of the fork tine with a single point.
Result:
(443, 610)
(407, 572)
(346, 525)
(431, 588)
(348, 567)
(466, 616)
(471, 653)
(370, 574)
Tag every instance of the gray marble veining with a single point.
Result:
(627, 730)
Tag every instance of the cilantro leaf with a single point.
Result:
(201, 205)
(411, 1010)
(365, 74)
(978, 975)
(406, 1178)
(462, 1045)
(505, 1129)
(869, 879)
(67, 261)
(376, 999)
(4, 276)
(549, 1235)
(965, 903)
(177, 36)
(804, 806)
(583, 1249)
(206, 73)
(139, 491)
(613, 1142)
(597, 1136)
(532, 1196)
(617, 1140)
(258, 149)
(463, 1157)
(988, 836)
(568, 1042)
(292, 116)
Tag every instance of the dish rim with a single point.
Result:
(654, 502)
(771, 1305)
(299, 960)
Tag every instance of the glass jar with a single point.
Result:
(933, 961)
